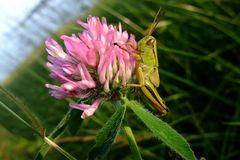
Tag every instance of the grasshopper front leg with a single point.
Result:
(140, 78)
(135, 56)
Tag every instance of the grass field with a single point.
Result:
(198, 52)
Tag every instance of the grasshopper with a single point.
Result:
(147, 69)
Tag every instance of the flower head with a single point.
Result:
(92, 65)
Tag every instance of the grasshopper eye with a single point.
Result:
(150, 42)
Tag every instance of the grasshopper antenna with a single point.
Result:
(156, 20)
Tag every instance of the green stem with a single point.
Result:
(132, 142)
(55, 134)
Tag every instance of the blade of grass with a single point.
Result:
(59, 149)
(192, 8)
(37, 124)
(228, 65)
(195, 86)
(217, 91)
(231, 129)
(236, 123)
(202, 18)
(176, 51)
(201, 131)
(122, 18)
(17, 116)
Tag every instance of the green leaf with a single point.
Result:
(107, 134)
(162, 130)
(75, 121)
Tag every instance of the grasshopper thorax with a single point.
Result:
(147, 51)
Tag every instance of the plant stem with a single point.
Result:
(132, 142)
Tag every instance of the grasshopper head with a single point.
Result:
(147, 48)
(148, 41)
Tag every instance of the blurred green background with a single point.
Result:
(199, 65)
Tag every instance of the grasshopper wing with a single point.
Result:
(154, 77)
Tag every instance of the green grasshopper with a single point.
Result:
(147, 69)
